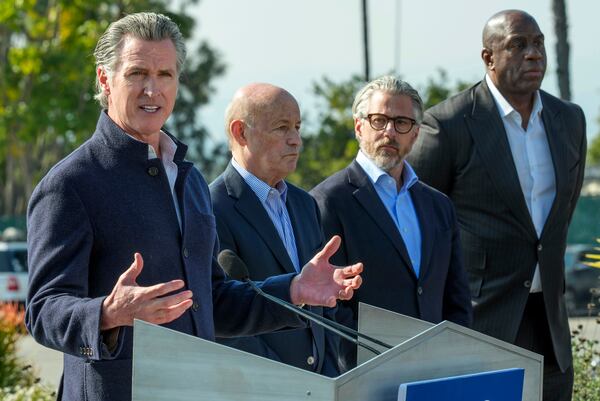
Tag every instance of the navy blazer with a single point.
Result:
(86, 218)
(244, 226)
(351, 208)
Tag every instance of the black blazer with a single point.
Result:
(351, 208)
(463, 151)
(244, 226)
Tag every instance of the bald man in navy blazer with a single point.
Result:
(274, 226)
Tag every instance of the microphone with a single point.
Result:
(237, 270)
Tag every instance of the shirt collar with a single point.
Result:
(409, 177)
(505, 107)
(260, 188)
(167, 147)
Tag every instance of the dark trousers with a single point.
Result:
(534, 335)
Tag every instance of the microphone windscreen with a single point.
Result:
(233, 265)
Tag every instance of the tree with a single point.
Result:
(47, 84)
(332, 146)
(562, 48)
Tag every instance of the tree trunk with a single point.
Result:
(562, 48)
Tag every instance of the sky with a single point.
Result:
(294, 43)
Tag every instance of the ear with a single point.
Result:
(103, 79)
(237, 128)
(416, 133)
(487, 55)
(358, 126)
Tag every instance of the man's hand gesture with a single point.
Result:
(321, 283)
(129, 301)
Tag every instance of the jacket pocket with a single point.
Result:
(108, 379)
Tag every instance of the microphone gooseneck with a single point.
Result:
(237, 270)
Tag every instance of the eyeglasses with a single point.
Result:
(379, 122)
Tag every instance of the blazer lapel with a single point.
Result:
(555, 132)
(487, 130)
(367, 196)
(297, 225)
(248, 205)
(422, 208)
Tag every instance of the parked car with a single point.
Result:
(582, 281)
(13, 271)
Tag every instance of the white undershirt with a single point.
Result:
(533, 161)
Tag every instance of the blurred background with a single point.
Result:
(319, 50)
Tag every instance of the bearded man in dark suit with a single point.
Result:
(402, 230)
(511, 157)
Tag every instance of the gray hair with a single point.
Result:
(391, 85)
(145, 26)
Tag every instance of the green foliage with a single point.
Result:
(437, 89)
(333, 146)
(47, 83)
(17, 381)
(593, 153)
(586, 365)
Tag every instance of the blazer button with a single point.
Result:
(186, 253)
(153, 171)
(195, 306)
(419, 290)
(310, 360)
(527, 284)
(540, 247)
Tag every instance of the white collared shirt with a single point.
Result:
(533, 161)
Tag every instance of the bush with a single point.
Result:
(586, 365)
(586, 352)
(17, 380)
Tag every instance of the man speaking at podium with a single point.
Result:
(127, 193)
(275, 227)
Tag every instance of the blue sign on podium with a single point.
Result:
(497, 385)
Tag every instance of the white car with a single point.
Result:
(13, 271)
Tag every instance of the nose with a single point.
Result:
(151, 87)
(389, 129)
(534, 52)
(294, 138)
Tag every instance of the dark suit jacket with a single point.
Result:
(86, 219)
(351, 208)
(463, 151)
(244, 227)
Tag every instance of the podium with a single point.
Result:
(168, 365)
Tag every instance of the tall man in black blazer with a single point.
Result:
(403, 231)
(272, 225)
(511, 157)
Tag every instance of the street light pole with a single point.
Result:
(366, 38)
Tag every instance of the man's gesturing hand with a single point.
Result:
(321, 283)
(129, 301)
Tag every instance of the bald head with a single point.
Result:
(263, 125)
(255, 100)
(515, 57)
(497, 27)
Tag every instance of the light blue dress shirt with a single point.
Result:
(273, 200)
(399, 204)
